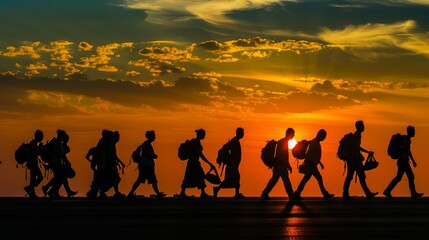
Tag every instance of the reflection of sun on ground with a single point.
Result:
(291, 143)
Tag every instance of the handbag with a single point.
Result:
(370, 163)
(304, 168)
(212, 178)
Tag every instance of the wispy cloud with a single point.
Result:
(347, 5)
(214, 12)
(364, 40)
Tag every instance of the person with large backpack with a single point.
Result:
(354, 161)
(281, 166)
(403, 163)
(32, 163)
(101, 157)
(232, 174)
(60, 165)
(194, 173)
(147, 166)
(312, 159)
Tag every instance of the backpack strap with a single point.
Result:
(221, 172)
(345, 167)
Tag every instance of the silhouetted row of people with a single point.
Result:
(106, 165)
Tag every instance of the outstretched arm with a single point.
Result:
(321, 165)
(366, 151)
(205, 160)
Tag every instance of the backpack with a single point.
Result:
(21, 154)
(184, 151)
(268, 153)
(300, 149)
(223, 155)
(345, 146)
(135, 156)
(395, 146)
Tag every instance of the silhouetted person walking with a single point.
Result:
(232, 174)
(147, 166)
(281, 166)
(119, 165)
(36, 176)
(106, 152)
(355, 163)
(59, 165)
(194, 173)
(68, 171)
(91, 156)
(102, 161)
(312, 159)
(404, 166)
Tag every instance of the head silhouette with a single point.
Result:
(290, 133)
(116, 136)
(321, 135)
(38, 135)
(239, 133)
(360, 127)
(62, 135)
(107, 134)
(411, 131)
(201, 133)
(150, 135)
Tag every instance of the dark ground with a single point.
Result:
(223, 218)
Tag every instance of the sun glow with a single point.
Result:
(291, 143)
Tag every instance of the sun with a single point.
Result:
(291, 143)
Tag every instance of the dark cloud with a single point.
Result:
(325, 86)
(201, 89)
(211, 45)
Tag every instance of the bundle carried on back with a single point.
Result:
(21, 153)
(395, 146)
(300, 149)
(223, 155)
(268, 153)
(345, 147)
(184, 151)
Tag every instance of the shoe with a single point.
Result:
(91, 194)
(265, 196)
(205, 195)
(71, 194)
(181, 195)
(103, 195)
(239, 196)
(388, 195)
(27, 189)
(347, 197)
(131, 196)
(328, 196)
(45, 190)
(417, 195)
(215, 191)
(119, 195)
(161, 195)
(371, 195)
(30, 191)
(296, 197)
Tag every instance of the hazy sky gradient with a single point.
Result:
(175, 66)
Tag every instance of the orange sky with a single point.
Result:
(171, 131)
